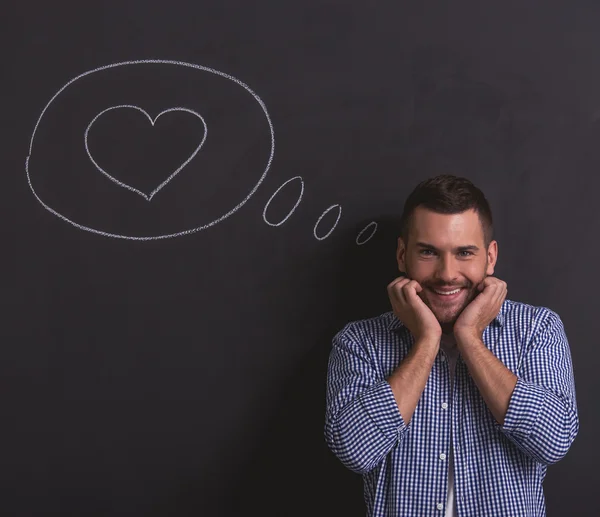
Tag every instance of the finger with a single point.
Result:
(492, 280)
(487, 283)
(398, 279)
(395, 288)
(498, 293)
(397, 284)
(410, 290)
(399, 290)
(503, 292)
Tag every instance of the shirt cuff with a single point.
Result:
(524, 408)
(381, 406)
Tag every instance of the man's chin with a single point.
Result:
(446, 317)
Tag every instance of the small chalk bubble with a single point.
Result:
(293, 208)
(372, 225)
(334, 224)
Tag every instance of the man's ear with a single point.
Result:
(401, 256)
(492, 258)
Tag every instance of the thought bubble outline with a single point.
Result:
(164, 62)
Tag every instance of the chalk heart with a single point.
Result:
(148, 197)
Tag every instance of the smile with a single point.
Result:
(447, 297)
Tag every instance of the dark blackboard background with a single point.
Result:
(187, 376)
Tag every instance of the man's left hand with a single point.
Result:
(482, 310)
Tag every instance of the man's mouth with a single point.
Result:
(447, 295)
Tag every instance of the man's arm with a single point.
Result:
(541, 415)
(363, 421)
(495, 381)
(410, 377)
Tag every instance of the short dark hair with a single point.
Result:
(448, 194)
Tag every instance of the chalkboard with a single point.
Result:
(198, 195)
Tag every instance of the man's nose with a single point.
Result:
(447, 270)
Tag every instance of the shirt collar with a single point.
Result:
(396, 324)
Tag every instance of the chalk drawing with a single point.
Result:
(334, 224)
(152, 121)
(170, 235)
(374, 225)
(293, 208)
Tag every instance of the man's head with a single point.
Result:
(445, 242)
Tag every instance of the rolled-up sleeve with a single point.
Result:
(362, 421)
(542, 417)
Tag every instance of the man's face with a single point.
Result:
(446, 252)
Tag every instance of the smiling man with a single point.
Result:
(456, 401)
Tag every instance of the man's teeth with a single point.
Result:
(449, 292)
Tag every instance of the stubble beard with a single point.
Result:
(447, 314)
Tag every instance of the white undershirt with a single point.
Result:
(451, 350)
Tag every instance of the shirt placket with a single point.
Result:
(445, 406)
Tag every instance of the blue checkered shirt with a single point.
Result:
(498, 469)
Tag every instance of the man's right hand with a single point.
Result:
(411, 310)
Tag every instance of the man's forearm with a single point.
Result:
(410, 377)
(495, 382)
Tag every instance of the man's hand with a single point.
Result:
(411, 310)
(482, 310)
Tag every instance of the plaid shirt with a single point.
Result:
(498, 469)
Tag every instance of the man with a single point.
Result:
(456, 401)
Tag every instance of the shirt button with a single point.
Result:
(442, 456)
(442, 358)
(444, 405)
(440, 506)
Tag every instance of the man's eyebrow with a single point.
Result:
(426, 245)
